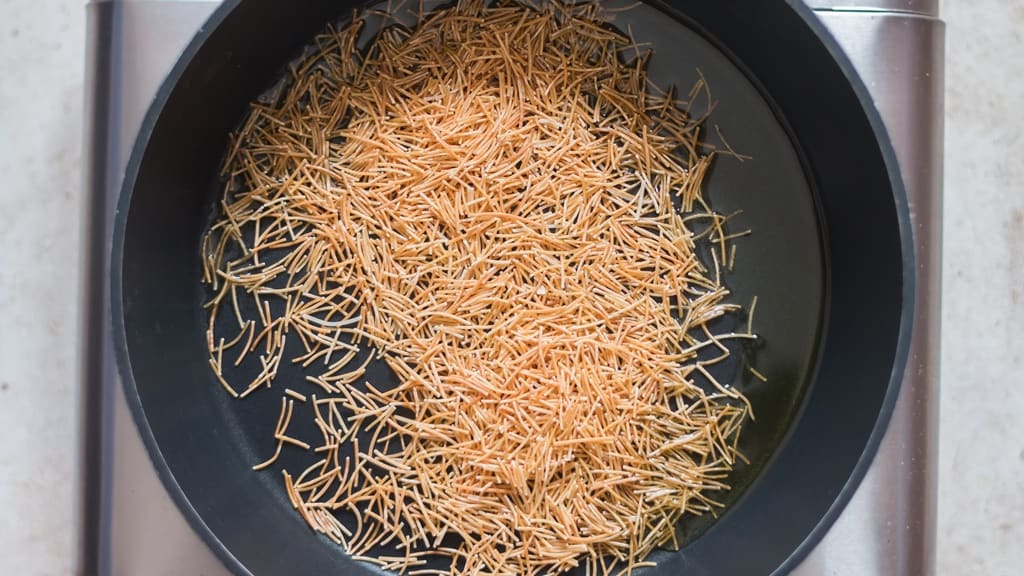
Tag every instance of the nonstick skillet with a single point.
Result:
(829, 260)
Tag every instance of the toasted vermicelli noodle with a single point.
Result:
(496, 205)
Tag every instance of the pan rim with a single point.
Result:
(814, 536)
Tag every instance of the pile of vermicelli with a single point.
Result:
(487, 202)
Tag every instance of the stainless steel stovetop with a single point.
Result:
(129, 525)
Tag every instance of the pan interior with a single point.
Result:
(210, 442)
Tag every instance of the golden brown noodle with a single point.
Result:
(486, 201)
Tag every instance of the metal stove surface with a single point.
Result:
(129, 526)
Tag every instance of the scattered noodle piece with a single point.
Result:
(486, 202)
(295, 395)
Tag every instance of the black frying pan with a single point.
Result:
(829, 260)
